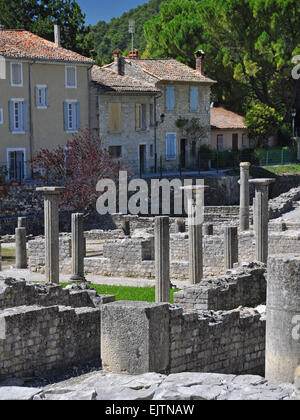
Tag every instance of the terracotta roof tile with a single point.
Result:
(109, 81)
(168, 69)
(25, 45)
(222, 118)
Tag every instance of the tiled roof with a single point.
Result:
(113, 82)
(168, 69)
(25, 45)
(222, 118)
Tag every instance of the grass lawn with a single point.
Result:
(141, 294)
(269, 171)
(8, 256)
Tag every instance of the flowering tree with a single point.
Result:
(78, 167)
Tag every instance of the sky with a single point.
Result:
(96, 10)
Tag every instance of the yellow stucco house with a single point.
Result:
(44, 98)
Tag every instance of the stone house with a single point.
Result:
(184, 95)
(44, 97)
(123, 116)
(228, 131)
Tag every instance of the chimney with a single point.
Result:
(200, 61)
(118, 63)
(134, 54)
(57, 35)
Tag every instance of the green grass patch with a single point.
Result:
(268, 171)
(8, 256)
(140, 294)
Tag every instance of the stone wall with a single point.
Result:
(34, 340)
(223, 342)
(245, 286)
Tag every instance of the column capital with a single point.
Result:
(261, 182)
(50, 190)
(245, 165)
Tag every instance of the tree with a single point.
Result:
(262, 122)
(39, 17)
(78, 166)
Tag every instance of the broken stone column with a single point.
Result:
(231, 249)
(162, 259)
(244, 196)
(78, 248)
(180, 226)
(51, 215)
(283, 318)
(21, 255)
(22, 222)
(195, 222)
(208, 230)
(135, 337)
(261, 217)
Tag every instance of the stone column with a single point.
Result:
(78, 248)
(297, 384)
(162, 259)
(21, 255)
(22, 222)
(283, 318)
(179, 226)
(261, 217)
(244, 196)
(208, 230)
(195, 222)
(231, 248)
(51, 215)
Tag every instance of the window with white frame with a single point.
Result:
(41, 96)
(1, 115)
(244, 141)
(71, 77)
(171, 146)
(16, 74)
(16, 159)
(140, 117)
(18, 116)
(71, 115)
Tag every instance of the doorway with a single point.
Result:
(235, 142)
(142, 158)
(183, 153)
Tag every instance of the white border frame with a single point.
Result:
(169, 158)
(11, 74)
(71, 101)
(16, 149)
(66, 77)
(42, 87)
(17, 100)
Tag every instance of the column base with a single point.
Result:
(77, 279)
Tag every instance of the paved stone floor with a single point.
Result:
(153, 386)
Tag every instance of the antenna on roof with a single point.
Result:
(132, 32)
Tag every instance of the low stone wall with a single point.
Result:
(34, 340)
(245, 286)
(223, 342)
(283, 203)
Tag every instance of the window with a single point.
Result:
(220, 143)
(1, 116)
(140, 117)
(71, 77)
(151, 119)
(16, 164)
(41, 96)
(18, 115)
(170, 98)
(151, 150)
(115, 152)
(71, 116)
(171, 146)
(114, 117)
(245, 141)
(194, 99)
(16, 74)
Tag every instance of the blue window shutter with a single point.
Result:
(194, 98)
(170, 101)
(47, 96)
(11, 115)
(171, 147)
(25, 116)
(78, 116)
(65, 109)
(36, 95)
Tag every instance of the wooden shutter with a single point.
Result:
(137, 116)
(114, 117)
(171, 146)
(78, 116)
(194, 96)
(25, 116)
(170, 98)
(11, 115)
(65, 111)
